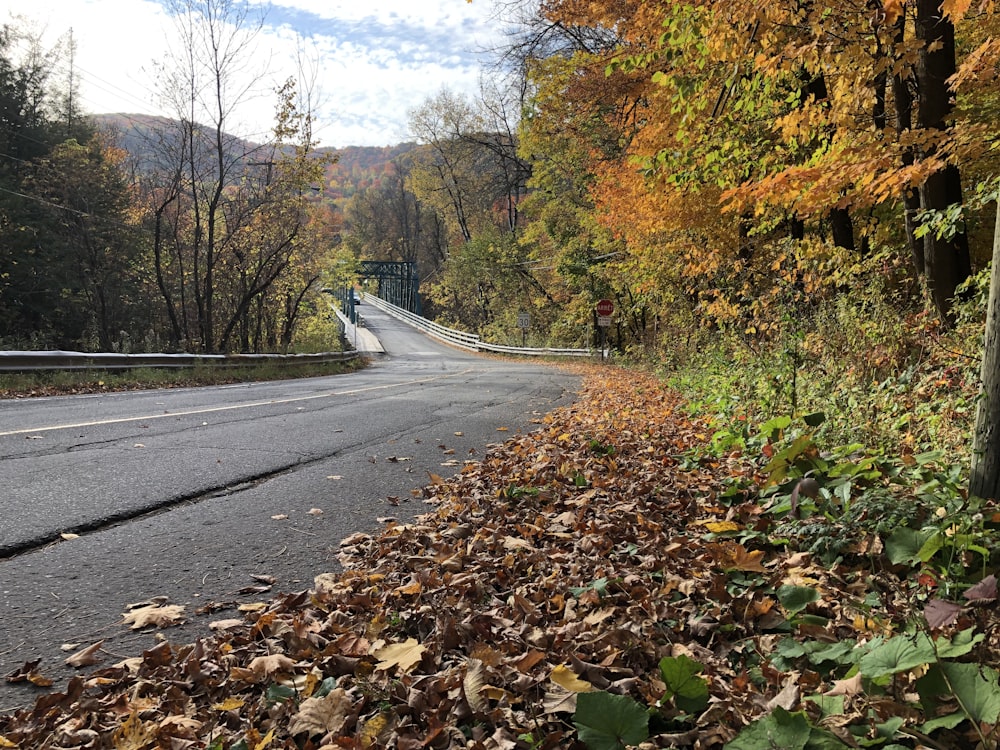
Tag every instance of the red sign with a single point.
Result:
(605, 307)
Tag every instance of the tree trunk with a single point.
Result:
(984, 481)
(902, 98)
(946, 259)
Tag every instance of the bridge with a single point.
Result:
(398, 284)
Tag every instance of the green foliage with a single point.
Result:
(610, 722)
(789, 731)
(688, 691)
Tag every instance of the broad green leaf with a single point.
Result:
(815, 419)
(610, 722)
(887, 730)
(680, 674)
(949, 721)
(904, 544)
(931, 547)
(977, 688)
(960, 645)
(779, 729)
(324, 688)
(776, 425)
(841, 652)
(830, 705)
(796, 598)
(898, 654)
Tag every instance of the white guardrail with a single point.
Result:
(27, 361)
(469, 341)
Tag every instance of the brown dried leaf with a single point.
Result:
(320, 716)
(155, 615)
(85, 657)
(848, 687)
(265, 666)
(405, 655)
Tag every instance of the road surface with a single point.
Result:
(188, 494)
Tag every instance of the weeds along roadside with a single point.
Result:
(58, 383)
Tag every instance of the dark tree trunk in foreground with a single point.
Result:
(946, 259)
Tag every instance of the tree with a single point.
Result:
(388, 222)
(92, 245)
(41, 278)
(946, 258)
(226, 214)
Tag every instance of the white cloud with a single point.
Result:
(375, 60)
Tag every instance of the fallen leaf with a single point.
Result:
(155, 615)
(473, 684)
(230, 704)
(69, 537)
(569, 680)
(848, 686)
(28, 672)
(279, 517)
(405, 655)
(226, 624)
(85, 657)
(265, 666)
(321, 715)
(314, 512)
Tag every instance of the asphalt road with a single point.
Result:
(189, 493)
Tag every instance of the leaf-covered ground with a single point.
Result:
(604, 553)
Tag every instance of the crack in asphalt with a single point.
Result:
(10, 551)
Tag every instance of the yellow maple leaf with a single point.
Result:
(229, 704)
(372, 729)
(566, 678)
(720, 527)
(955, 9)
(264, 741)
(405, 655)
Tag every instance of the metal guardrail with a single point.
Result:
(59, 360)
(469, 341)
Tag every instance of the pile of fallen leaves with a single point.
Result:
(570, 560)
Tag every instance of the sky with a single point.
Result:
(373, 60)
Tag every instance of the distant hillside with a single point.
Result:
(360, 167)
(356, 168)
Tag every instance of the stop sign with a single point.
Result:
(605, 307)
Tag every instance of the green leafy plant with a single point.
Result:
(688, 691)
(610, 722)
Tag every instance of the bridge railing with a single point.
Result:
(469, 341)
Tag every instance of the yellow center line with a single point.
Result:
(213, 409)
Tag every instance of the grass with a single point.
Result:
(71, 382)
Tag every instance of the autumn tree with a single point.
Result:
(387, 221)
